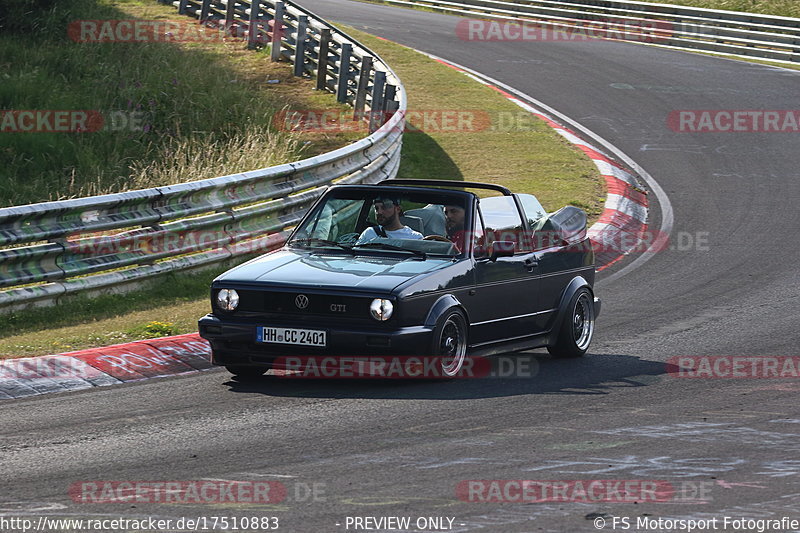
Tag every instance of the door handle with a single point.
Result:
(530, 263)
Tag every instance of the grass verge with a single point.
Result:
(780, 8)
(510, 149)
(170, 306)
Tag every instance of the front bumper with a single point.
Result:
(234, 342)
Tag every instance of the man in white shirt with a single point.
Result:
(387, 215)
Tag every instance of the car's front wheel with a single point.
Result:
(450, 342)
(246, 372)
(577, 327)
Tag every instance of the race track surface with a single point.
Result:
(730, 287)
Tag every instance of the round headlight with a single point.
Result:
(381, 309)
(227, 299)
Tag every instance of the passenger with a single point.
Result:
(455, 224)
(387, 215)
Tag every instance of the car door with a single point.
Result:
(557, 266)
(551, 271)
(506, 289)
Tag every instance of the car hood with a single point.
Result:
(305, 269)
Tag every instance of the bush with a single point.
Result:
(155, 329)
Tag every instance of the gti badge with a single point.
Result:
(301, 301)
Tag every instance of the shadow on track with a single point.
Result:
(533, 373)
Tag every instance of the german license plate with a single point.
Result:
(301, 337)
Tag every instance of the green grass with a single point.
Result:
(781, 8)
(529, 157)
(199, 108)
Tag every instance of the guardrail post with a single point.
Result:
(252, 29)
(230, 12)
(376, 109)
(204, 9)
(182, 7)
(300, 46)
(361, 91)
(277, 31)
(389, 103)
(344, 72)
(322, 59)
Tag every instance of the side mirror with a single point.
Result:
(502, 249)
(569, 225)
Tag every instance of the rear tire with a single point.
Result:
(577, 327)
(450, 343)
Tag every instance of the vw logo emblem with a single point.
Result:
(301, 301)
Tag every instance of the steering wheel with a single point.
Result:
(436, 238)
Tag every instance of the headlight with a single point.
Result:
(227, 299)
(381, 309)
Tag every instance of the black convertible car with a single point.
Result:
(411, 267)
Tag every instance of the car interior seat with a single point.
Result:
(413, 222)
(432, 218)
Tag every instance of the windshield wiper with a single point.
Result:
(387, 246)
(326, 242)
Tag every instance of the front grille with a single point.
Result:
(285, 303)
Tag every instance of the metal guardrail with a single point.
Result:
(747, 35)
(55, 248)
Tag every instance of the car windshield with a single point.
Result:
(389, 220)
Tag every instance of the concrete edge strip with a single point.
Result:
(623, 224)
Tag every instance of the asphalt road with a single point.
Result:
(727, 447)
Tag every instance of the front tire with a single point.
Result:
(577, 327)
(450, 343)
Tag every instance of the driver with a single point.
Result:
(387, 215)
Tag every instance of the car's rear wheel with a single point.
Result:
(246, 372)
(577, 327)
(450, 342)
